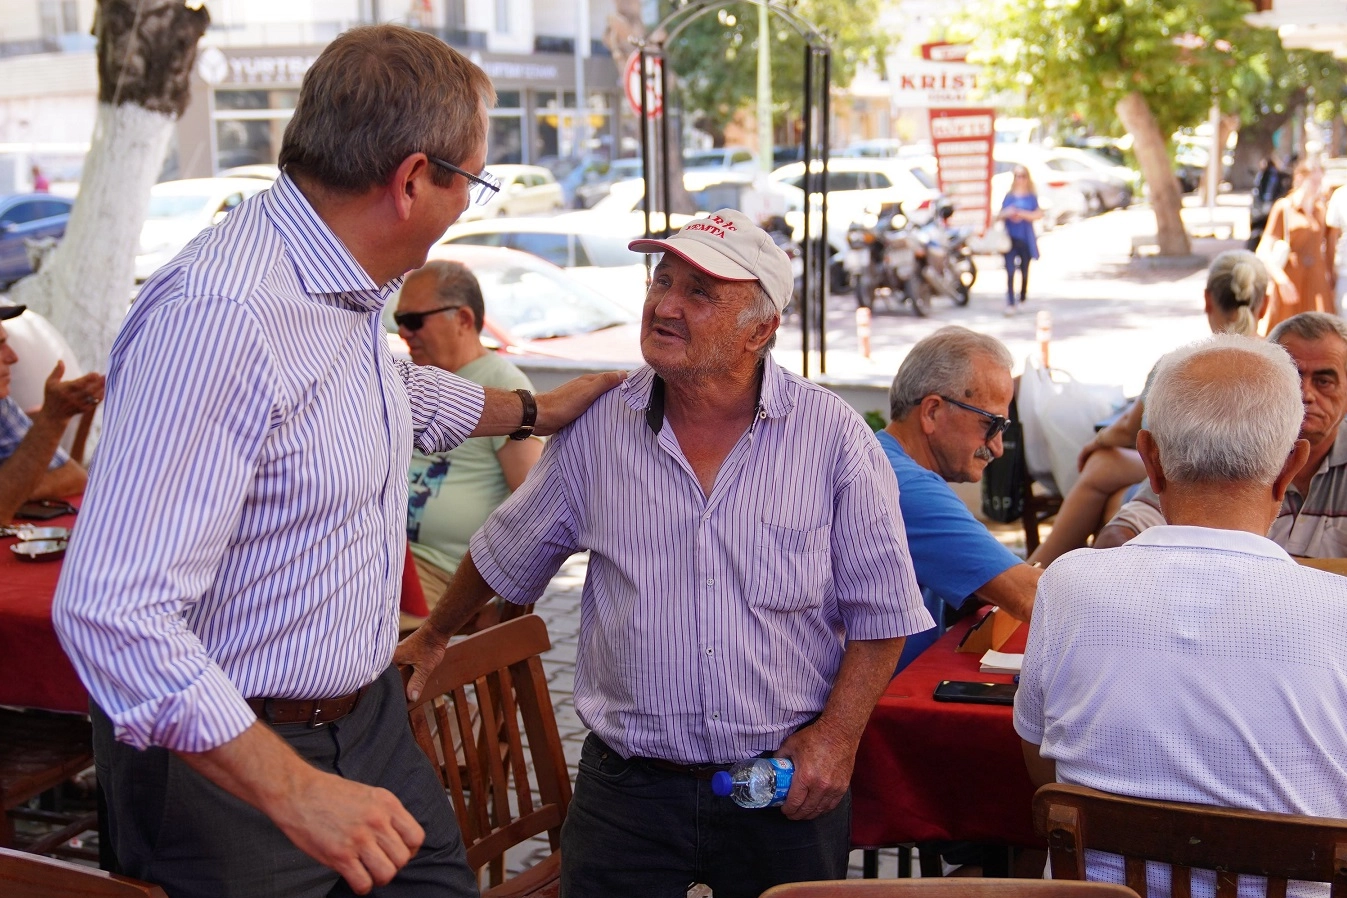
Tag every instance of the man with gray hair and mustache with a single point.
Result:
(1199, 662)
(949, 403)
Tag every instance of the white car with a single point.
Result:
(1062, 196)
(720, 159)
(524, 190)
(591, 246)
(179, 210)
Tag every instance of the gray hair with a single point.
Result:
(1237, 283)
(453, 284)
(376, 95)
(943, 364)
(1209, 427)
(760, 308)
(1309, 326)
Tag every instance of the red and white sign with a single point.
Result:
(963, 140)
(654, 91)
(944, 51)
(941, 79)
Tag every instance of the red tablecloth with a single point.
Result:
(34, 670)
(929, 770)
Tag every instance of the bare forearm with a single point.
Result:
(255, 766)
(67, 480)
(1041, 770)
(22, 474)
(503, 411)
(1013, 590)
(467, 592)
(867, 667)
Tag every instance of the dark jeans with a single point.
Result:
(1017, 260)
(634, 829)
(173, 827)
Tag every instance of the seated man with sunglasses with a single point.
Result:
(948, 406)
(440, 315)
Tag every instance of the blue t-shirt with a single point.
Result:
(953, 554)
(1019, 230)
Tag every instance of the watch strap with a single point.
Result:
(530, 415)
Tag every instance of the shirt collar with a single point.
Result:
(1176, 536)
(1338, 454)
(323, 264)
(776, 396)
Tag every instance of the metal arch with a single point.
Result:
(817, 95)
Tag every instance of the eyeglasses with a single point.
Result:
(484, 186)
(414, 321)
(997, 424)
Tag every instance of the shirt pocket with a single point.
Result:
(795, 565)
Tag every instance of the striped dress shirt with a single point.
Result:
(711, 627)
(242, 531)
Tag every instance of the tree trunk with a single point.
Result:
(1255, 144)
(1152, 152)
(146, 51)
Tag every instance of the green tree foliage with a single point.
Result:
(716, 57)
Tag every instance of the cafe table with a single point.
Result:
(34, 670)
(934, 771)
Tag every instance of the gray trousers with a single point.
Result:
(171, 826)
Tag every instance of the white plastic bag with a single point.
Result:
(1058, 415)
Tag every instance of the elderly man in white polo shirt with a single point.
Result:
(1199, 662)
(748, 592)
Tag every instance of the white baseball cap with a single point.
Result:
(728, 245)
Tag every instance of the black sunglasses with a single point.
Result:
(484, 186)
(414, 321)
(997, 424)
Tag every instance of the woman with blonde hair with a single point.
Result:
(1019, 211)
(1299, 218)
(1109, 464)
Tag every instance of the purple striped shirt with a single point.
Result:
(711, 628)
(242, 531)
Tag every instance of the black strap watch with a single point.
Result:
(530, 416)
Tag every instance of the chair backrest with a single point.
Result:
(954, 887)
(1231, 842)
(468, 722)
(1332, 565)
(25, 875)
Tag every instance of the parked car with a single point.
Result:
(590, 245)
(534, 308)
(879, 148)
(179, 210)
(1060, 195)
(596, 186)
(23, 217)
(722, 158)
(524, 190)
(1107, 186)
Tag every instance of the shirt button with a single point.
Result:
(715, 716)
(710, 581)
(710, 651)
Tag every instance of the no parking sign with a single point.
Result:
(654, 90)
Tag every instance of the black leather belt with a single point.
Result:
(312, 712)
(696, 771)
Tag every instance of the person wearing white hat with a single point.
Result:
(748, 592)
(32, 463)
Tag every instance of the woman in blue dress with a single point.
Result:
(1019, 211)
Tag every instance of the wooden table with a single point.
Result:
(34, 669)
(929, 770)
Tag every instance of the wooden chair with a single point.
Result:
(955, 887)
(30, 876)
(468, 722)
(1332, 565)
(1280, 847)
(38, 752)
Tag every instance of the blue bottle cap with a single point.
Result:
(722, 783)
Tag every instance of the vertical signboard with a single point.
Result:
(962, 139)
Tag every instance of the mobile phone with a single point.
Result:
(43, 510)
(976, 693)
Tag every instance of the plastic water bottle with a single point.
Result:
(757, 783)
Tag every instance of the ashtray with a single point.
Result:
(40, 550)
(31, 534)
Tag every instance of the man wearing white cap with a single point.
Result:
(32, 463)
(748, 592)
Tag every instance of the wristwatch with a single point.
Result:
(530, 416)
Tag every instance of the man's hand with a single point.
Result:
(422, 652)
(823, 762)
(362, 832)
(569, 401)
(64, 399)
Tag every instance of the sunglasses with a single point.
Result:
(484, 186)
(414, 321)
(997, 424)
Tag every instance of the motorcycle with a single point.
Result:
(883, 260)
(944, 259)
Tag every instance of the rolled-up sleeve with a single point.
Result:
(183, 429)
(445, 407)
(875, 586)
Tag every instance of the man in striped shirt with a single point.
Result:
(748, 593)
(230, 596)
